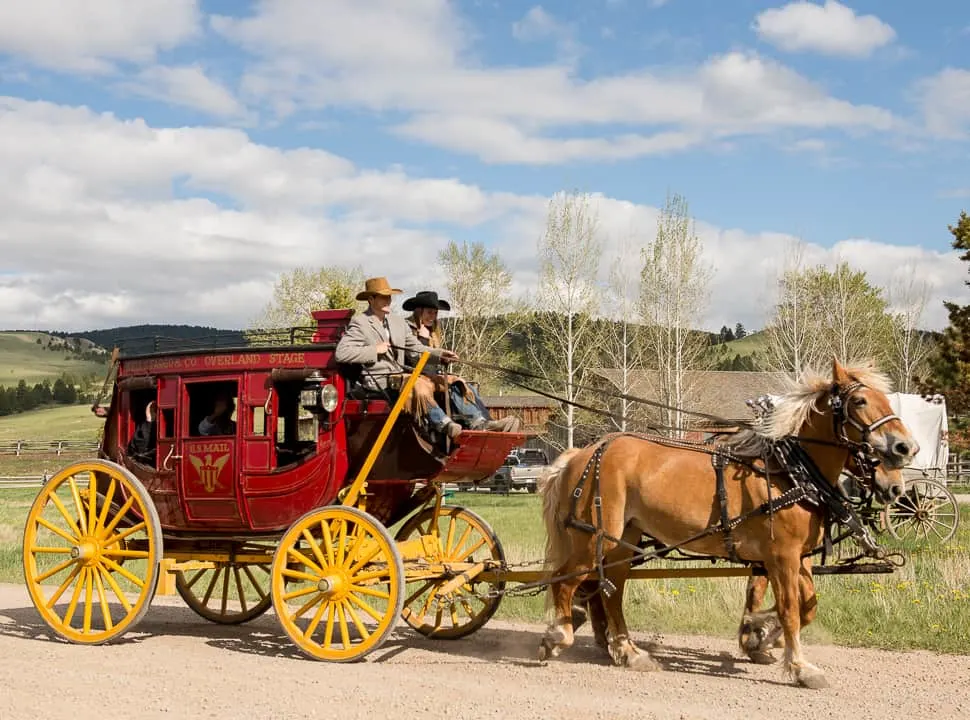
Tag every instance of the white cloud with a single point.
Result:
(94, 236)
(88, 36)
(186, 86)
(945, 100)
(829, 29)
(538, 24)
(417, 60)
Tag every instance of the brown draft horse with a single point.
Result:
(760, 631)
(624, 487)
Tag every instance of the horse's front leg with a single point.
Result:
(785, 574)
(760, 630)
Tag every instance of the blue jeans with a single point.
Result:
(473, 413)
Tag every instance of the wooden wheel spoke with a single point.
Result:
(249, 574)
(65, 514)
(116, 589)
(307, 562)
(371, 592)
(103, 599)
(103, 515)
(88, 599)
(133, 579)
(302, 592)
(307, 605)
(122, 511)
(311, 541)
(361, 629)
(50, 550)
(52, 601)
(299, 575)
(239, 588)
(76, 595)
(341, 544)
(315, 621)
(56, 569)
(344, 630)
(82, 518)
(461, 541)
(212, 585)
(92, 503)
(328, 542)
(125, 533)
(361, 561)
(364, 606)
(195, 578)
(56, 530)
(225, 590)
(465, 554)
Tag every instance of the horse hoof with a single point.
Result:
(813, 679)
(644, 663)
(760, 657)
(578, 618)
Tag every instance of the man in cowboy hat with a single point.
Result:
(378, 340)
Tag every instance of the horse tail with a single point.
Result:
(550, 485)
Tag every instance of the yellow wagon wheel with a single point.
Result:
(463, 537)
(230, 593)
(92, 539)
(338, 583)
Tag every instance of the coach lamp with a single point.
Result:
(318, 396)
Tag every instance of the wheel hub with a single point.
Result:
(86, 552)
(333, 587)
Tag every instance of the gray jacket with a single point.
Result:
(359, 346)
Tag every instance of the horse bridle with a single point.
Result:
(864, 453)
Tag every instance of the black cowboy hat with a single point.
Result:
(426, 299)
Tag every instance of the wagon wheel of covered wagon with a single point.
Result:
(463, 537)
(92, 551)
(337, 583)
(228, 592)
(926, 511)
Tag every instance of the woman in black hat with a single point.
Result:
(465, 400)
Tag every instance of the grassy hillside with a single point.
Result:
(22, 357)
(69, 422)
(754, 343)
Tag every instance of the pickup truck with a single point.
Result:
(520, 471)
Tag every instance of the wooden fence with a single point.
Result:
(47, 447)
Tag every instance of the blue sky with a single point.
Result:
(165, 160)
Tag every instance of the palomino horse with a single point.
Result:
(760, 631)
(600, 500)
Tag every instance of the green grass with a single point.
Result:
(21, 358)
(748, 345)
(64, 422)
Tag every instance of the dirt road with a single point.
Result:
(176, 665)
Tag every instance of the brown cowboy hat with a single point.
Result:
(425, 299)
(377, 286)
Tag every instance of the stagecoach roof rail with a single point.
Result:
(229, 340)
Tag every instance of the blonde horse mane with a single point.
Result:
(800, 399)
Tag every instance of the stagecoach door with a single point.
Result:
(208, 450)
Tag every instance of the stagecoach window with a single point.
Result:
(141, 432)
(203, 397)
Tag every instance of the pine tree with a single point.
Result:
(949, 364)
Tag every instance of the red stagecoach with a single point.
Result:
(289, 510)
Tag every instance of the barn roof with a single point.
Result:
(715, 392)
